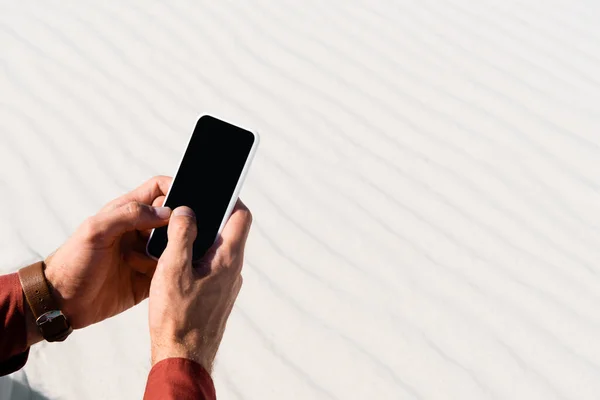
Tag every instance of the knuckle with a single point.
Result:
(162, 265)
(154, 180)
(180, 258)
(111, 205)
(171, 262)
(224, 259)
(184, 229)
(190, 226)
(92, 230)
(245, 214)
(134, 210)
(157, 178)
(229, 260)
(249, 217)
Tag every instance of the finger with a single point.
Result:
(159, 201)
(145, 234)
(237, 227)
(135, 241)
(104, 227)
(140, 262)
(146, 193)
(141, 288)
(181, 234)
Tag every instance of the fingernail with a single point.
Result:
(162, 212)
(184, 211)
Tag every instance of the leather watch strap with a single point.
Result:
(50, 320)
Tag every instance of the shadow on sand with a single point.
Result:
(11, 389)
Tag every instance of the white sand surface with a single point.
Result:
(426, 195)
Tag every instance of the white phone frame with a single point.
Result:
(238, 186)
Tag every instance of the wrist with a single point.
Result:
(56, 286)
(178, 350)
(44, 319)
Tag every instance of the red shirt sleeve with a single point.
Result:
(181, 379)
(13, 331)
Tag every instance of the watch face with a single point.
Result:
(54, 326)
(49, 317)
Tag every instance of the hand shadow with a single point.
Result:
(12, 389)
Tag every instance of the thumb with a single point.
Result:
(181, 234)
(107, 226)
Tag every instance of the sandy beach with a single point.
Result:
(426, 196)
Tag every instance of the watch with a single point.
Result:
(51, 322)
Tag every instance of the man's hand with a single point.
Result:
(190, 305)
(102, 270)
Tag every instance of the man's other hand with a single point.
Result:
(190, 304)
(102, 269)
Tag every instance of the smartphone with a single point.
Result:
(208, 180)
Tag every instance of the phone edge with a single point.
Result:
(240, 183)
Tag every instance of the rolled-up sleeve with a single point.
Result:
(13, 330)
(181, 379)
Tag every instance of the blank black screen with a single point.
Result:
(206, 180)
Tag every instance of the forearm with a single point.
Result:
(14, 337)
